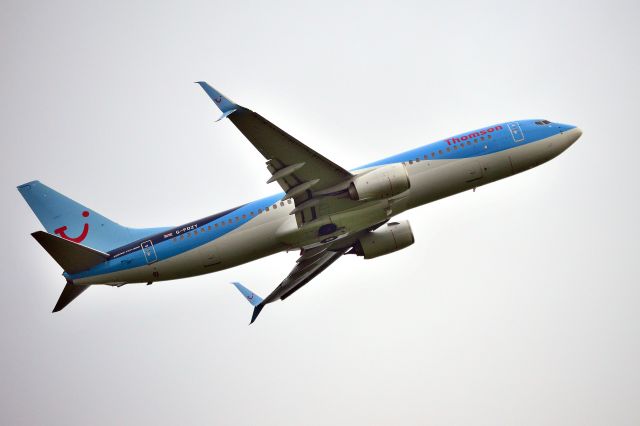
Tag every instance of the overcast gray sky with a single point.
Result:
(518, 304)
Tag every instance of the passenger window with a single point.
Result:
(222, 223)
(440, 151)
(275, 206)
(417, 159)
(188, 234)
(209, 228)
(448, 149)
(195, 232)
(481, 138)
(489, 136)
(174, 239)
(266, 209)
(433, 154)
(237, 218)
(215, 225)
(182, 237)
(468, 143)
(244, 216)
(289, 201)
(251, 213)
(281, 203)
(259, 211)
(475, 141)
(426, 156)
(230, 221)
(455, 147)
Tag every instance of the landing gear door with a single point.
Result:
(149, 251)
(516, 132)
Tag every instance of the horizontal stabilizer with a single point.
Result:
(69, 293)
(73, 257)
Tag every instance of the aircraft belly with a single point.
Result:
(435, 179)
(533, 154)
(441, 178)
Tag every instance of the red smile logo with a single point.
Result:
(85, 230)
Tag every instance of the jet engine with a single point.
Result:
(383, 182)
(384, 240)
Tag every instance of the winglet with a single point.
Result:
(256, 312)
(225, 105)
(253, 298)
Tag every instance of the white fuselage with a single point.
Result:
(272, 232)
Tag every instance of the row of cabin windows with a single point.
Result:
(448, 149)
(225, 222)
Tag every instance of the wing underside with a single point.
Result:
(310, 263)
(317, 185)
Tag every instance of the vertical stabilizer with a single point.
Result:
(74, 222)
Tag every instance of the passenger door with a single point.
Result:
(149, 251)
(516, 132)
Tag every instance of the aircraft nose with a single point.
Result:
(574, 134)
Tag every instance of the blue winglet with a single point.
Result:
(224, 104)
(253, 298)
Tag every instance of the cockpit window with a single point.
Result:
(543, 122)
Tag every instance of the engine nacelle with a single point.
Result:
(383, 182)
(384, 240)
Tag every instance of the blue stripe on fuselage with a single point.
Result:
(131, 255)
(487, 142)
(188, 237)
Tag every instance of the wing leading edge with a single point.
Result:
(301, 172)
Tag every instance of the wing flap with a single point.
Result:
(307, 268)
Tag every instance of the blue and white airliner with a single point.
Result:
(324, 210)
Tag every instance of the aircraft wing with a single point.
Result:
(310, 263)
(298, 169)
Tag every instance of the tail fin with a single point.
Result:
(74, 222)
(73, 257)
(254, 299)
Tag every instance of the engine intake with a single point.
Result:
(393, 237)
(383, 182)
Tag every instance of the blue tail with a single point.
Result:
(74, 222)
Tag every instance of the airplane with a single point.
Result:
(324, 210)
